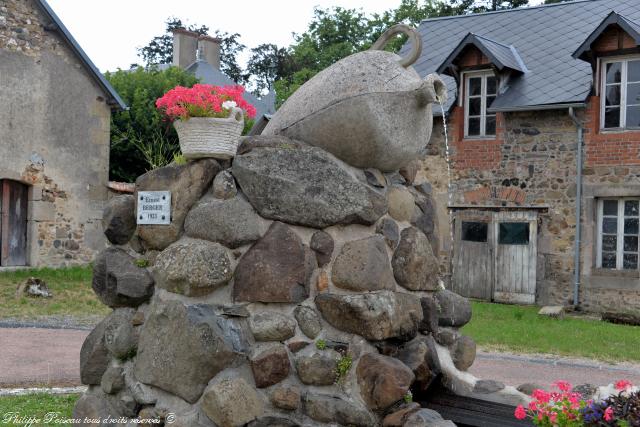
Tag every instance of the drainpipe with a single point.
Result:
(576, 255)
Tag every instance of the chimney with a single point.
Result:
(209, 50)
(185, 44)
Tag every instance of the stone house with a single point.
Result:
(54, 140)
(543, 121)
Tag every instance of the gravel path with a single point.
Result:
(50, 357)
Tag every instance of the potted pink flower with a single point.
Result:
(209, 119)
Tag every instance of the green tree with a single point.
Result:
(142, 127)
(267, 64)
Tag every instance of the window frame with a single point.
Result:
(483, 74)
(619, 233)
(602, 66)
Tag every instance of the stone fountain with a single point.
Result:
(295, 284)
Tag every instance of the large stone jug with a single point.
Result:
(370, 109)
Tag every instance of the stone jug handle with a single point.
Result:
(414, 37)
(432, 89)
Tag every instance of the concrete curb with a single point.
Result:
(49, 390)
(567, 362)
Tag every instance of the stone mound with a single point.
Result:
(282, 293)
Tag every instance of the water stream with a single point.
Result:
(449, 190)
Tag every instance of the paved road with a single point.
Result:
(40, 357)
(50, 357)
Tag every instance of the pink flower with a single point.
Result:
(553, 417)
(623, 385)
(520, 413)
(541, 396)
(608, 414)
(563, 385)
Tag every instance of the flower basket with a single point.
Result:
(210, 136)
(209, 119)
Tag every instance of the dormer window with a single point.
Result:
(480, 91)
(620, 100)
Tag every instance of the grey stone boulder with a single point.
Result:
(414, 265)
(401, 203)
(183, 346)
(375, 315)
(120, 336)
(309, 320)
(271, 421)
(305, 185)
(229, 400)
(119, 219)
(389, 229)
(272, 326)
(232, 222)
(224, 186)
(383, 380)
(430, 315)
(193, 267)
(94, 356)
(270, 366)
(363, 265)
(336, 410)
(427, 418)
(318, 367)
(446, 336)
(322, 244)
(463, 352)
(187, 183)
(112, 380)
(425, 216)
(118, 281)
(277, 268)
(454, 310)
(95, 406)
(420, 355)
(487, 386)
(286, 397)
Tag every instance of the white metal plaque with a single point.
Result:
(154, 207)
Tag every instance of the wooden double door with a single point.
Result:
(495, 254)
(13, 223)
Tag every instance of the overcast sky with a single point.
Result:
(110, 30)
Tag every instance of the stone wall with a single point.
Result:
(55, 137)
(532, 163)
(289, 289)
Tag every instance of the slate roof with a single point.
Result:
(628, 25)
(113, 98)
(545, 38)
(209, 74)
(501, 55)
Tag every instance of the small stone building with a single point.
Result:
(54, 140)
(543, 117)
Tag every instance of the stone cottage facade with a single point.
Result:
(543, 115)
(54, 140)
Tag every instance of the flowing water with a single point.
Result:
(449, 191)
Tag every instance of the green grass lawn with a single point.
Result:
(519, 329)
(72, 294)
(36, 406)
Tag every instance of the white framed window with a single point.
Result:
(620, 93)
(481, 89)
(618, 232)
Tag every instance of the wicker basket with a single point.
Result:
(202, 137)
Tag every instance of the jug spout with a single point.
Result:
(432, 89)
